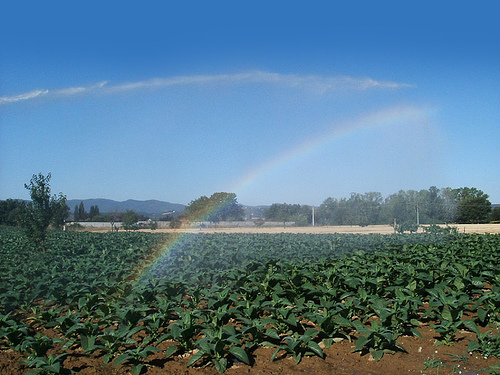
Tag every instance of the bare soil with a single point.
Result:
(422, 357)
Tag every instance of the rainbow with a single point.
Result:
(380, 119)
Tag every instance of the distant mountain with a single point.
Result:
(152, 208)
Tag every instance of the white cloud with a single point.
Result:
(61, 92)
(319, 84)
(78, 90)
(27, 96)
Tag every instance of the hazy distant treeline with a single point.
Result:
(406, 208)
(432, 206)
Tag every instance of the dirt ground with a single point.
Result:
(381, 229)
(422, 357)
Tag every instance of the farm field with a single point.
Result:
(264, 303)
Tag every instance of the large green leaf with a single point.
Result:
(451, 314)
(220, 364)
(171, 349)
(240, 354)
(360, 342)
(196, 356)
(315, 348)
(377, 354)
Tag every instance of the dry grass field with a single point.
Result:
(381, 229)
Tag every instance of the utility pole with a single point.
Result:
(313, 216)
(418, 216)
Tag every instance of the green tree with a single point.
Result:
(450, 205)
(11, 211)
(329, 212)
(82, 215)
(495, 214)
(94, 211)
(225, 207)
(60, 212)
(219, 207)
(43, 209)
(363, 209)
(432, 206)
(301, 215)
(280, 212)
(130, 219)
(473, 205)
(76, 214)
(197, 208)
(400, 208)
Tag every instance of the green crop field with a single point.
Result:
(219, 297)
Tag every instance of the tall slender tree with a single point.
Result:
(43, 209)
(82, 215)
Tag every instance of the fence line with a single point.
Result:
(198, 224)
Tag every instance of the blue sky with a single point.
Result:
(277, 102)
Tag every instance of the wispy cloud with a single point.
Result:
(59, 92)
(79, 90)
(317, 83)
(26, 96)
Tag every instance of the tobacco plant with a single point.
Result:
(300, 346)
(46, 365)
(487, 343)
(376, 339)
(12, 332)
(219, 346)
(113, 339)
(135, 357)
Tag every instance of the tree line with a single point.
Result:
(405, 208)
(80, 214)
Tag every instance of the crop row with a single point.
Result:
(220, 297)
